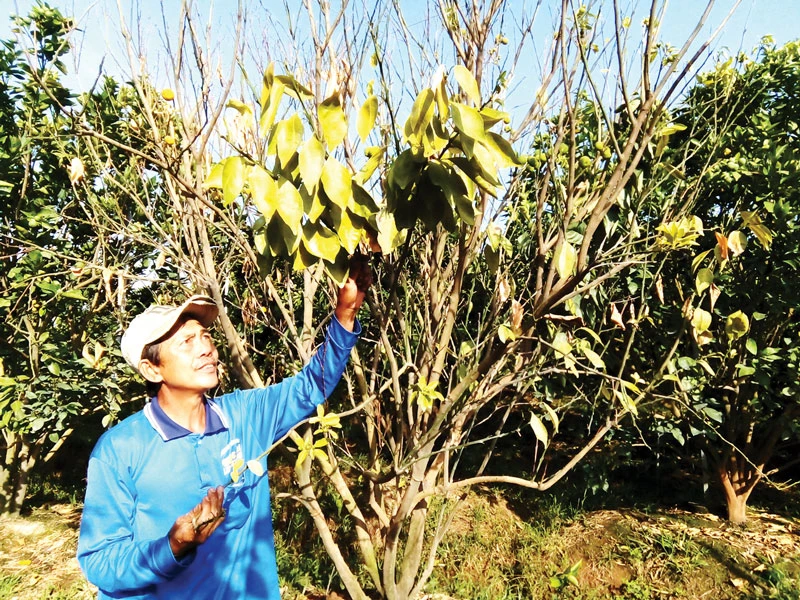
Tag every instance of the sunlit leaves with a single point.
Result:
(233, 178)
(367, 115)
(678, 235)
(288, 136)
(565, 259)
(704, 279)
(467, 83)
(736, 325)
(425, 394)
(539, 430)
(336, 180)
(333, 121)
(753, 222)
(263, 191)
(311, 161)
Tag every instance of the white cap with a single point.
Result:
(156, 322)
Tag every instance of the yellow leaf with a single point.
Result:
(737, 324)
(704, 279)
(233, 175)
(320, 241)
(753, 221)
(539, 430)
(421, 115)
(701, 320)
(737, 242)
(288, 136)
(468, 121)
(468, 84)
(311, 161)
(336, 181)
(332, 120)
(290, 205)
(566, 259)
(349, 234)
(366, 117)
(263, 191)
(269, 106)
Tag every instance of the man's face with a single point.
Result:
(188, 359)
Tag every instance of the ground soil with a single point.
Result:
(624, 553)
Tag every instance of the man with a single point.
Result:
(163, 516)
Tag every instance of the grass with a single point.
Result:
(503, 545)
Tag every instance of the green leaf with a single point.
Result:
(404, 170)
(332, 121)
(367, 115)
(468, 83)
(593, 357)
(73, 295)
(339, 269)
(233, 175)
(752, 346)
(311, 161)
(363, 204)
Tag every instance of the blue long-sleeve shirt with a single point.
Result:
(147, 471)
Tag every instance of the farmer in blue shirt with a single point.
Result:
(158, 519)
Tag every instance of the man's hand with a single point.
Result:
(351, 294)
(195, 527)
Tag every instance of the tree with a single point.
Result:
(55, 364)
(735, 374)
(460, 324)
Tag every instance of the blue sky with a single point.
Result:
(99, 36)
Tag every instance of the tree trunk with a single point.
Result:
(19, 459)
(737, 480)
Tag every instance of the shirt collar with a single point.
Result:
(170, 430)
